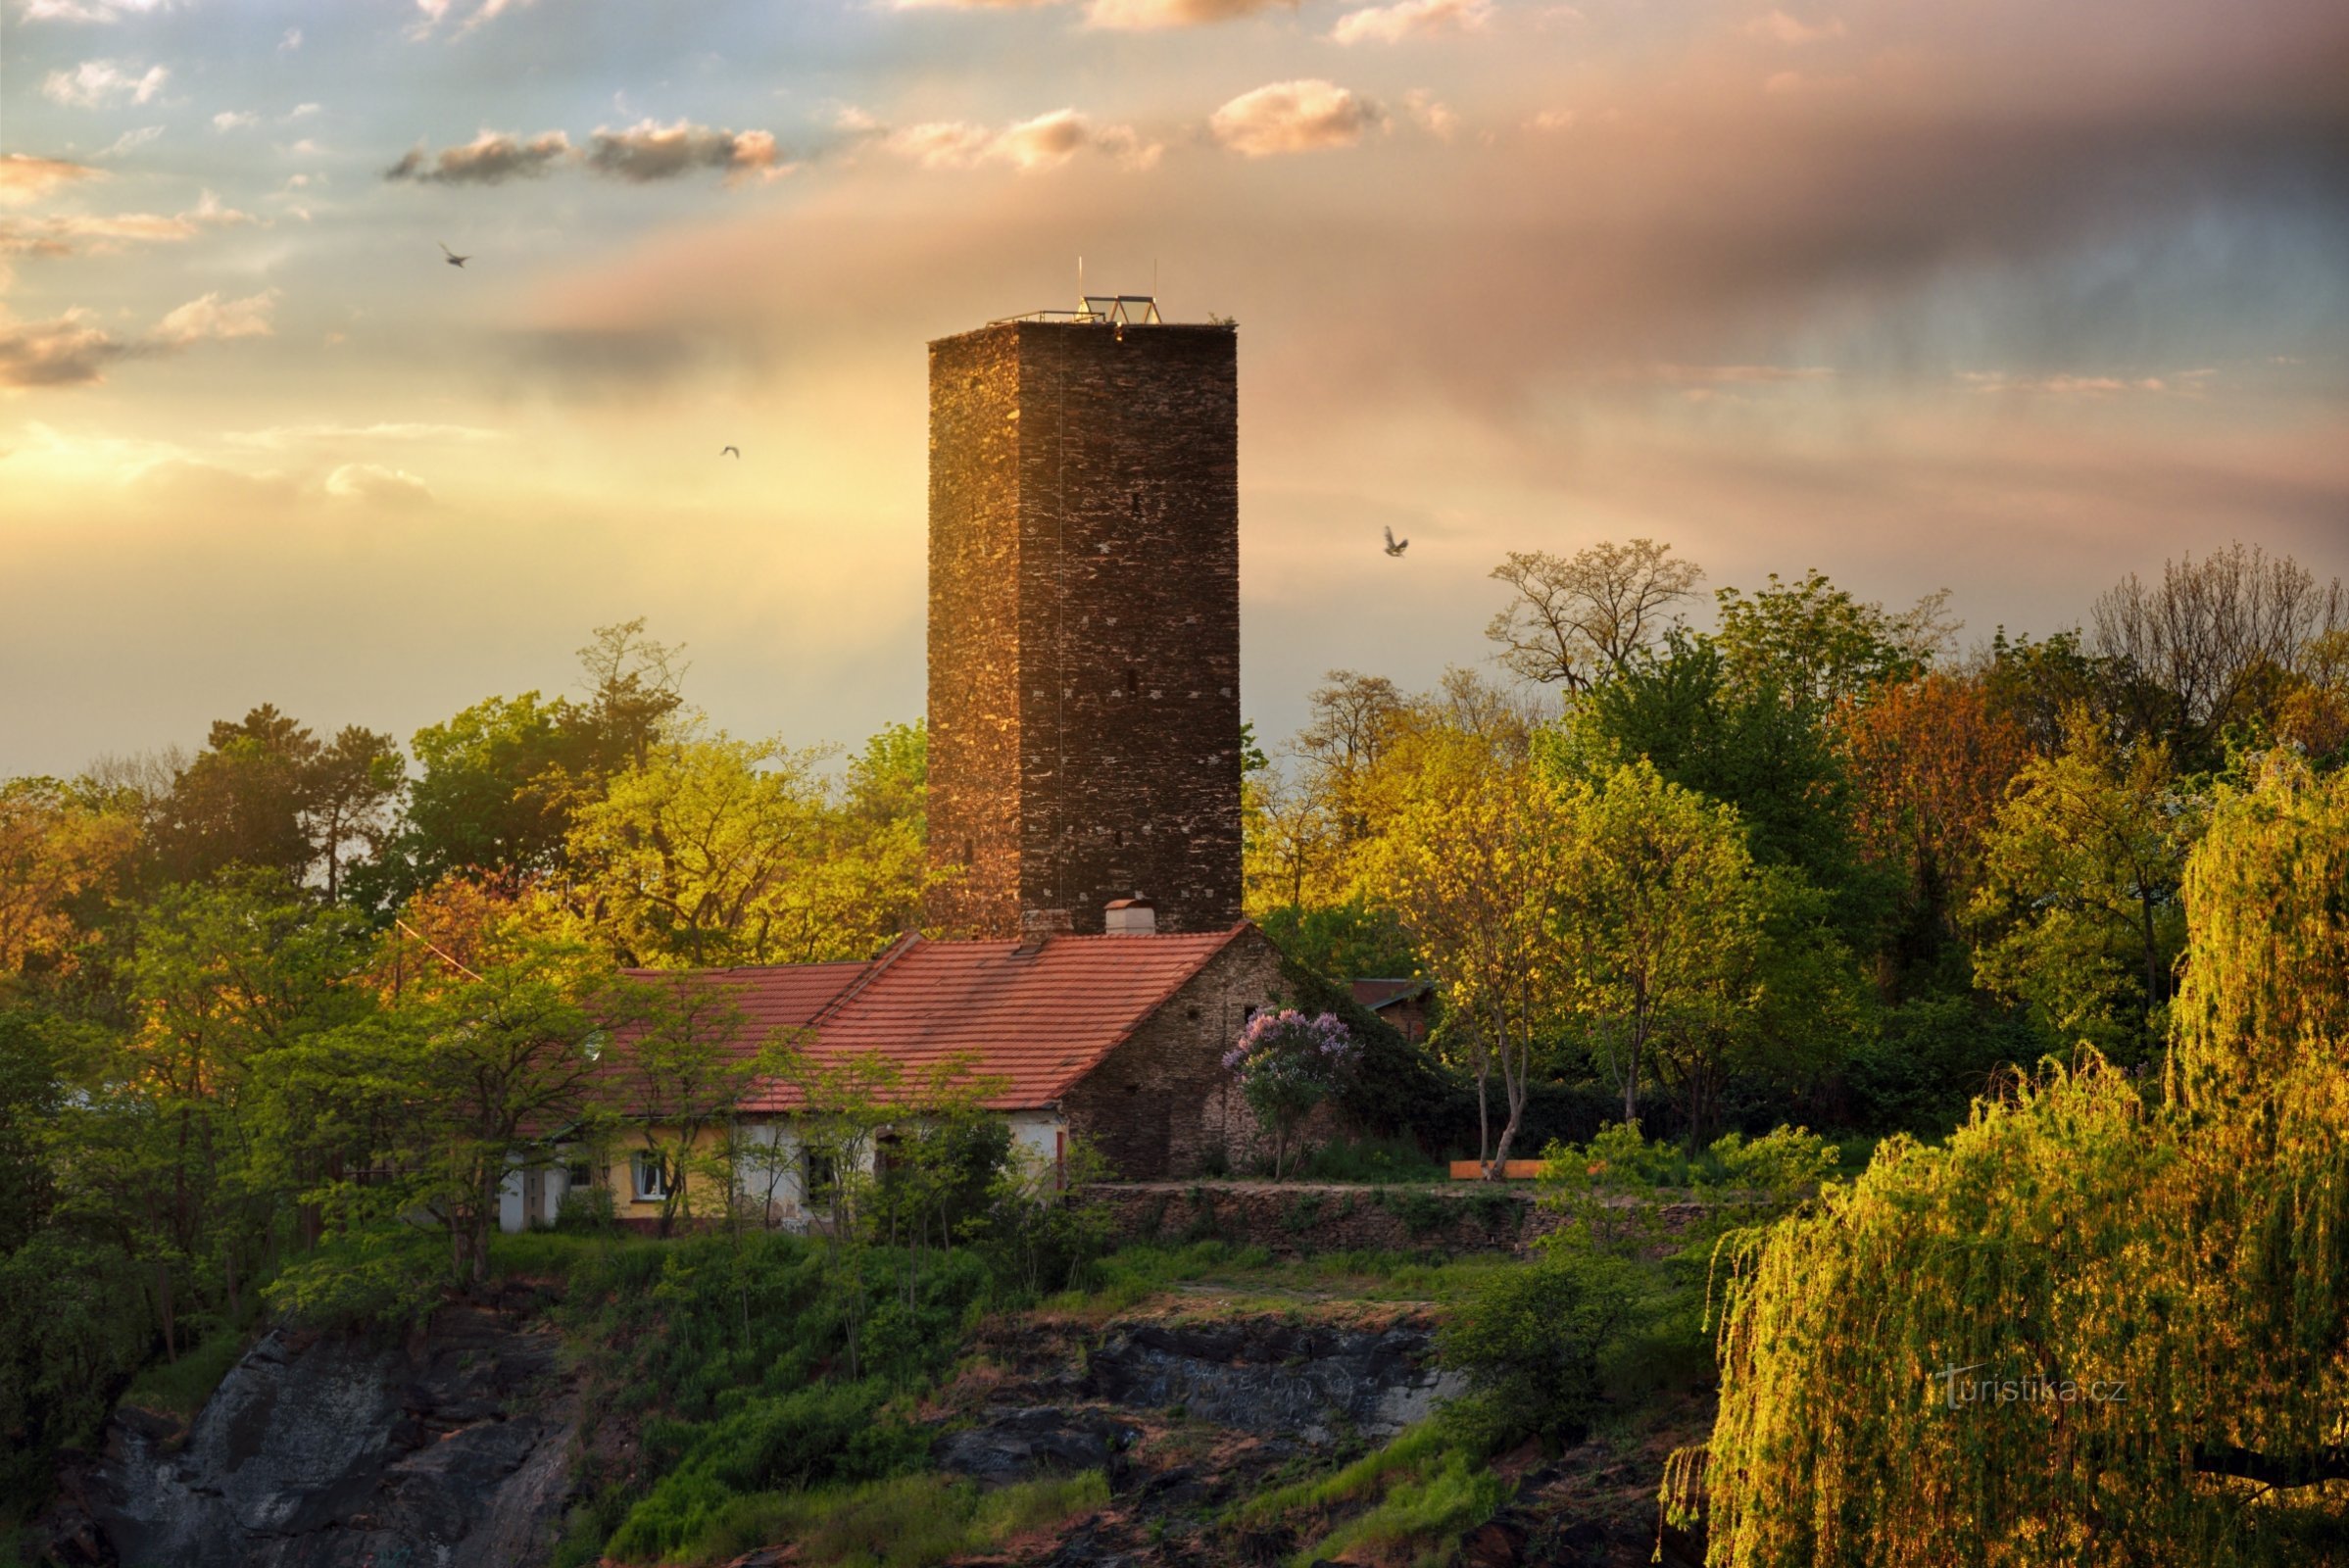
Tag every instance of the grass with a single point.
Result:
(1366, 1477)
(912, 1520)
(1133, 1275)
(181, 1386)
(1429, 1514)
(1423, 1490)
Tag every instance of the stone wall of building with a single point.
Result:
(1159, 1103)
(1085, 624)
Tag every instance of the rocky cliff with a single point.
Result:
(330, 1451)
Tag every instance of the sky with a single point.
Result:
(1997, 296)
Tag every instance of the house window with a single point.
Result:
(818, 1175)
(578, 1174)
(652, 1177)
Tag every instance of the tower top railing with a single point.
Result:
(1099, 310)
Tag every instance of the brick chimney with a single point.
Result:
(1135, 916)
(1039, 926)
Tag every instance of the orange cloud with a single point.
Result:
(1294, 117)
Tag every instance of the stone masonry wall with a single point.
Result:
(1085, 658)
(1159, 1101)
(974, 797)
(1296, 1217)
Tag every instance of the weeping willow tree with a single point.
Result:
(2104, 1323)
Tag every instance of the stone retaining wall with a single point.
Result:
(1291, 1218)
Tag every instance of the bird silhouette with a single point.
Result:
(1395, 545)
(736, 451)
(455, 260)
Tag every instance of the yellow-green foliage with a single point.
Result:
(904, 1522)
(1422, 1489)
(2157, 1297)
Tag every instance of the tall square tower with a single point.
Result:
(1085, 619)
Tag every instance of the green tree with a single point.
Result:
(1746, 740)
(1471, 862)
(1655, 919)
(2078, 905)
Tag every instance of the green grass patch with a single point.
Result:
(181, 1386)
(1423, 1517)
(1367, 1477)
(910, 1521)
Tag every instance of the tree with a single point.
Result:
(1354, 719)
(1579, 620)
(2087, 1329)
(1471, 863)
(1813, 641)
(2078, 911)
(2216, 641)
(635, 688)
(1750, 742)
(1928, 761)
(1653, 915)
(55, 852)
(494, 798)
(701, 857)
(681, 1057)
(348, 788)
(1286, 1064)
(240, 801)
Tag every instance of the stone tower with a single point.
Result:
(1085, 620)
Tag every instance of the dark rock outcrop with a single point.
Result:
(332, 1451)
(1017, 1444)
(1310, 1383)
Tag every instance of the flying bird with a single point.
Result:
(736, 451)
(455, 260)
(1395, 545)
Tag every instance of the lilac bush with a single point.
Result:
(1287, 1063)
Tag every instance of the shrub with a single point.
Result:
(384, 1277)
(1287, 1064)
(586, 1211)
(1529, 1341)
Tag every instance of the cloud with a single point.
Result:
(98, 83)
(71, 233)
(209, 320)
(290, 42)
(1294, 117)
(129, 140)
(303, 111)
(1405, 18)
(1127, 15)
(489, 159)
(63, 351)
(234, 119)
(647, 151)
(71, 350)
(372, 481)
(436, 11)
(2077, 386)
(1742, 374)
(1047, 141)
(1794, 31)
(1551, 120)
(277, 437)
(1150, 15)
(102, 12)
(24, 176)
(1430, 115)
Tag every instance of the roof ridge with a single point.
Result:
(907, 942)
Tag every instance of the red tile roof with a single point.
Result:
(1039, 1019)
